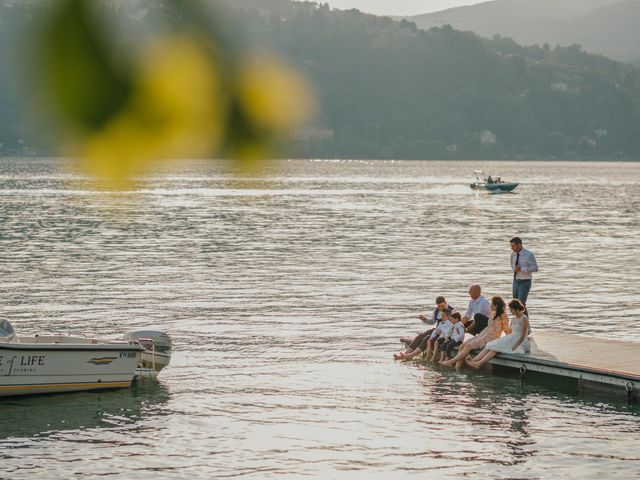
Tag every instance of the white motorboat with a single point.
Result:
(492, 184)
(64, 363)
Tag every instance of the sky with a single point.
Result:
(398, 7)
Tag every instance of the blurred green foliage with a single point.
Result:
(386, 89)
(84, 85)
(183, 89)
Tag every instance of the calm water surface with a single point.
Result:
(286, 295)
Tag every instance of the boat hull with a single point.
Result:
(27, 369)
(495, 187)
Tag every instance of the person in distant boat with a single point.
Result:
(478, 312)
(489, 179)
(515, 342)
(420, 341)
(523, 264)
(499, 323)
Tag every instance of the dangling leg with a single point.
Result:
(462, 353)
(427, 352)
(407, 356)
(436, 347)
(485, 358)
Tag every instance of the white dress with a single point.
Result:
(505, 344)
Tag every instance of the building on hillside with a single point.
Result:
(560, 87)
(487, 137)
(313, 133)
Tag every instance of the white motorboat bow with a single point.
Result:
(492, 184)
(63, 363)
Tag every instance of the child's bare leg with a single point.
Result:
(436, 356)
(436, 346)
(427, 352)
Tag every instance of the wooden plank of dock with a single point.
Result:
(609, 362)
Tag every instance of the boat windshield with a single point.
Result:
(479, 175)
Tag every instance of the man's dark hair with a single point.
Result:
(440, 300)
(516, 240)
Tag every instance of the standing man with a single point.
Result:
(523, 264)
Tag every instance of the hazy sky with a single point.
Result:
(399, 7)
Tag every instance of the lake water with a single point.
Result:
(286, 295)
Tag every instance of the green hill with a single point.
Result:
(607, 27)
(390, 90)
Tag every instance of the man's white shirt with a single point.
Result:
(479, 305)
(527, 263)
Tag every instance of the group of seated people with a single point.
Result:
(485, 321)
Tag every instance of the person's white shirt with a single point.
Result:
(479, 305)
(457, 332)
(443, 329)
(526, 262)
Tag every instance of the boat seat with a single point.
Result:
(7, 334)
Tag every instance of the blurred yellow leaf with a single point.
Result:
(175, 111)
(274, 95)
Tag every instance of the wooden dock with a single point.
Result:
(613, 365)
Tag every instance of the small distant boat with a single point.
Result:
(492, 184)
(55, 363)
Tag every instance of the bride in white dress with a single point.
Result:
(516, 342)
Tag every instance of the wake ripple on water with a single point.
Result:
(286, 295)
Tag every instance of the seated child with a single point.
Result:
(436, 317)
(442, 328)
(454, 338)
(439, 335)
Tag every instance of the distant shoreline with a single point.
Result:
(363, 159)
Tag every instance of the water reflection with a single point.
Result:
(286, 296)
(43, 416)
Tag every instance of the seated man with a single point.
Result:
(478, 311)
(7, 333)
(420, 341)
(431, 343)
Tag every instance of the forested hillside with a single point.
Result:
(390, 90)
(607, 27)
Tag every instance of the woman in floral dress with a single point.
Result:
(498, 324)
(516, 342)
